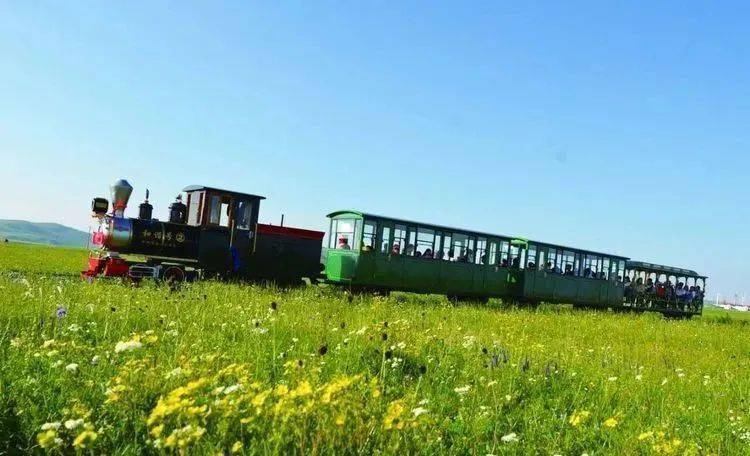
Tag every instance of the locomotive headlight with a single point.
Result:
(99, 206)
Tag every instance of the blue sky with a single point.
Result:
(621, 128)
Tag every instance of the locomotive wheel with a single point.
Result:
(173, 276)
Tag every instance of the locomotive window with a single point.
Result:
(195, 200)
(224, 217)
(244, 215)
(368, 235)
(215, 214)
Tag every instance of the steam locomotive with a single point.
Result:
(214, 233)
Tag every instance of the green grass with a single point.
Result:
(216, 367)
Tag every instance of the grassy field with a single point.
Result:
(227, 368)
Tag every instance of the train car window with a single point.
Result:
(385, 243)
(244, 215)
(568, 264)
(542, 260)
(531, 257)
(437, 248)
(399, 236)
(447, 254)
(343, 234)
(481, 254)
(515, 257)
(368, 235)
(411, 249)
(504, 252)
(459, 249)
(493, 253)
(471, 250)
(425, 241)
(605, 268)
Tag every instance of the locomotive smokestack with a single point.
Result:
(121, 191)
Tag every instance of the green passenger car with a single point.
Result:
(374, 252)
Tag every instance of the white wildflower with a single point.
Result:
(462, 389)
(72, 368)
(419, 411)
(72, 424)
(509, 438)
(612, 379)
(52, 425)
(129, 345)
(95, 360)
(231, 389)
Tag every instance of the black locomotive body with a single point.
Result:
(216, 233)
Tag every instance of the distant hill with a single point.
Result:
(41, 233)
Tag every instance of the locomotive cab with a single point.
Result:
(228, 223)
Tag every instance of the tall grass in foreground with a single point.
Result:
(216, 367)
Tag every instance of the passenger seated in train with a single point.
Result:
(367, 248)
(531, 265)
(396, 248)
(427, 254)
(547, 267)
(516, 263)
(639, 288)
(504, 263)
(587, 273)
(344, 243)
(409, 249)
(650, 287)
(568, 270)
(439, 255)
(603, 275)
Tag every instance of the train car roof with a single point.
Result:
(196, 188)
(463, 230)
(660, 268)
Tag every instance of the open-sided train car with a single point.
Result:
(374, 252)
(215, 234)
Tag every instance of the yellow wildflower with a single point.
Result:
(237, 447)
(48, 439)
(610, 422)
(578, 417)
(392, 418)
(303, 389)
(645, 435)
(84, 438)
